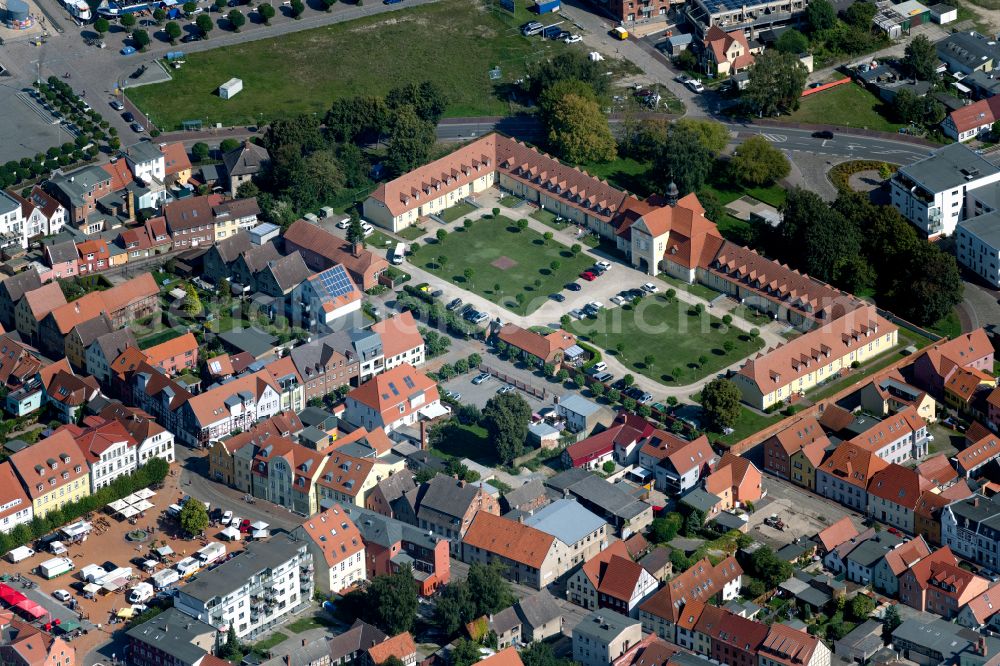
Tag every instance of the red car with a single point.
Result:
(245, 526)
(588, 276)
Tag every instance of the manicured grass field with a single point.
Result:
(457, 211)
(452, 43)
(672, 333)
(466, 441)
(486, 247)
(271, 641)
(848, 105)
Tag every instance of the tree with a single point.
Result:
(159, 15)
(506, 419)
(140, 38)
(192, 302)
(819, 240)
(820, 15)
(391, 601)
(228, 145)
(927, 287)
(194, 517)
(101, 25)
(355, 232)
(554, 265)
(910, 108)
(219, 5)
(296, 8)
(766, 566)
(579, 131)
(231, 649)
(860, 15)
(757, 162)
(427, 99)
(891, 619)
(541, 654)
(552, 95)
(204, 23)
(353, 119)
(720, 400)
(200, 151)
(236, 19)
(174, 31)
(315, 179)
(920, 58)
(465, 653)
(713, 135)
(128, 21)
(665, 528)
(410, 141)
(648, 360)
(489, 591)
(693, 522)
(189, 7)
(608, 467)
(266, 12)
(569, 64)
(861, 607)
(684, 160)
(792, 41)
(776, 83)
(468, 274)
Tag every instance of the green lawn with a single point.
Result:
(672, 333)
(457, 211)
(274, 639)
(625, 173)
(465, 441)
(412, 233)
(488, 243)
(747, 424)
(452, 43)
(548, 218)
(697, 289)
(949, 326)
(310, 622)
(160, 337)
(848, 105)
(379, 241)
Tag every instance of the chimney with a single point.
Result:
(981, 646)
(356, 250)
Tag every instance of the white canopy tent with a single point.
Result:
(143, 505)
(144, 493)
(117, 505)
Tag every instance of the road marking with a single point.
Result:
(775, 138)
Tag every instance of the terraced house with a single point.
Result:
(53, 472)
(971, 528)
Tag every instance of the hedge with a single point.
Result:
(595, 354)
(840, 174)
(150, 474)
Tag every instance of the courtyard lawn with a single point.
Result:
(412, 233)
(684, 346)
(518, 262)
(465, 441)
(271, 641)
(452, 43)
(848, 105)
(457, 211)
(548, 218)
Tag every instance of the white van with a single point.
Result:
(187, 566)
(141, 593)
(20, 553)
(398, 254)
(165, 578)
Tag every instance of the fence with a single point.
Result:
(825, 86)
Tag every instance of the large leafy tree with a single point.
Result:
(541, 654)
(820, 15)
(684, 159)
(860, 14)
(410, 141)
(426, 98)
(205, 24)
(193, 517)
(776, 82)
(506, 419)
(316, 180)
(569, 64)
(390, 601)
(816, 237)
(483, 592)
(579, 132)
(465, 653)
(720, 400)
(354, 119)
(792, 41)
(920, 58)
(713, 135)
(766, 566)
(757, 162)
(927, 288)
(303, 132)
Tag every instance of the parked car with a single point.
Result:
(823, 134)
(604, 265)
(597, 305)
(558, 298)
(696, 86)
(506, 388)
(531, 28)
(448, 393)
(454, 304)
(191, 37)
(62, 595)
(245, 525)
(564, 35)
(481, 377)
(588, 276)
(437, 293)
(650, 288)
(227, 517)
(480, 318)
(574, 286)
(573, 39)
(128, 117)
(116, 105)
(619, 300)
(604, 377)
(577, 313)
(682, 78)
(344, 224)
(137, 128)
(600, 366)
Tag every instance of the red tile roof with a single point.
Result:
(387, 392)
(785, 645)
(977, 114)
(980, 453)
(837, 533)
(938, 470)
(853, 464)
(42, 466)
(540, 346)
(12, 495)
(335, 534)
(399, 334)
(509, 539)
(800, 433)
(906, 555)
(400, 646)
(700, 582)
(899, 485)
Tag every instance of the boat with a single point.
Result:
(78, 9)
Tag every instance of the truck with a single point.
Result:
(20, 553)
(165, 578)
(619, 33)
(398, 254)
(141, 593)
(211, 553)
(57, 566)
(187, 566)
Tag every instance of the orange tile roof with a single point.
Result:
(41, 466)
(335, 534)
(800, 433)
(515, 541)
(45, 299)
(730, 474)
(906, 555)
(174, 347)
(387, 392)
(937, 469)
(731, 629)
(209, 406)
(119, 172)
(399, 334)
(220, 366)
(536, 344)
(175, 157)
(853, 464)
(12, 495)
(95, 440)
(959, 351)
(979, 453)
(619, 578)
(593, 567)
(400, 646)
(798, 357)
(109, 302)
(930, 504)
(815, 452)
(925, 569)
(899, 485)
(505, 657)
(785, 645)
(965, 381)
(699, 583)
(345, 474)
(977, 114)
(986, 605)
(126, 362)
(691, 614)
(832, 536)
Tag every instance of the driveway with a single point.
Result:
(979, 306)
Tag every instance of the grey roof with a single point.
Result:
(525, 494)
(259, 256)
(8, 204)
(231, 248)
(985, 227)
(597, 492)
(256, 342)
(448, 496)
(143, 151)
(948, 168)
(316, 416)
(603, 625)
(542, 429)
(16, 285)
(246, 160)
(871, 551)
(700, 499)
(354, 449)
(313, 652)
(505, 620)
(308, 358)
(687, 659)
(76, 184)
(566, 520)
(396, 485)
(94, 328)
(387, 532)
(360, 636)
(978, 510)
(790, 552)
(114, 343)
(656, 559)
(62, 252)
(289, 271)
(985, 81)
(859, 637)
(934, 636)
(969, 49)
(538, 609)
(730, 521)
(235, 572)
(577, 404)
(264, 229)
(173, 632)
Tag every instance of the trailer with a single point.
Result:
(57, 566)
(92, 573)
(165, 578)
(211, 553)
(230, 88)
(187, 566)
(19, 554)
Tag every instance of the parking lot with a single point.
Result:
(26, 128)
(478, 395)
(803, 513)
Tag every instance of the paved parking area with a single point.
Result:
(23, 125)
(803, 513)
(479, 395)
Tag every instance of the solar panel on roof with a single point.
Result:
(392, 387)
(336, 282)
(409, 382)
